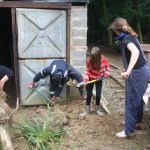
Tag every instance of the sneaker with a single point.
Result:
(122, 134)
(100, 113)
(83, 114)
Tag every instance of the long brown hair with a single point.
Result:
(95, 58)
(122, 25)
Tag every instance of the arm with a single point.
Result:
(134, 57)
(6, 74)
(3, 81)
(40, 75)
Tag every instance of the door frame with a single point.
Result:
(32, 5)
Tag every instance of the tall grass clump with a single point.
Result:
(41, 133)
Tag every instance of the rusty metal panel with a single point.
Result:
(27, 70)
(41, 33)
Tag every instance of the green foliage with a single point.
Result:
(102, 12)
(40, 132)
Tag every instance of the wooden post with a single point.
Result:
(5, 139)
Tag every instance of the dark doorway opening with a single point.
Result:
(6, 52)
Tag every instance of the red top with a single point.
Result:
(91, 74)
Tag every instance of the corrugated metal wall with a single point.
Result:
(41, 39)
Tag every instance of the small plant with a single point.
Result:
(40, 132)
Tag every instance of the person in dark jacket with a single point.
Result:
(5, 74)
(136, 74)
(60, 72)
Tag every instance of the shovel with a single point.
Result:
(89, 82)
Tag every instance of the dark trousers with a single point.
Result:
(89, 88)
(76, 75)
(135, 87)
(56, 89)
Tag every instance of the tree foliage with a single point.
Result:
(102, 12)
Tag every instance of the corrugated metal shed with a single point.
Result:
(38, 32)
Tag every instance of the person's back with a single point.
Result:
(59, 72)
(59, 65)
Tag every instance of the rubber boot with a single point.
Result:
(99, 111)
(87, 111)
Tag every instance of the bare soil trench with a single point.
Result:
(89, 133)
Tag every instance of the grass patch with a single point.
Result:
(41, 133)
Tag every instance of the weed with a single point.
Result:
(40, 132)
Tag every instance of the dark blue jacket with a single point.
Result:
(55, 66)
(67, 72)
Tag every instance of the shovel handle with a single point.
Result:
(92, 81)
(88, 82)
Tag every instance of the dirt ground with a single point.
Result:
(89, 133)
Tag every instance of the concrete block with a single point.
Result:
(79, 32)
(79, 12)
(79, 41)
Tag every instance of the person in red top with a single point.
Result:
(97, 67)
